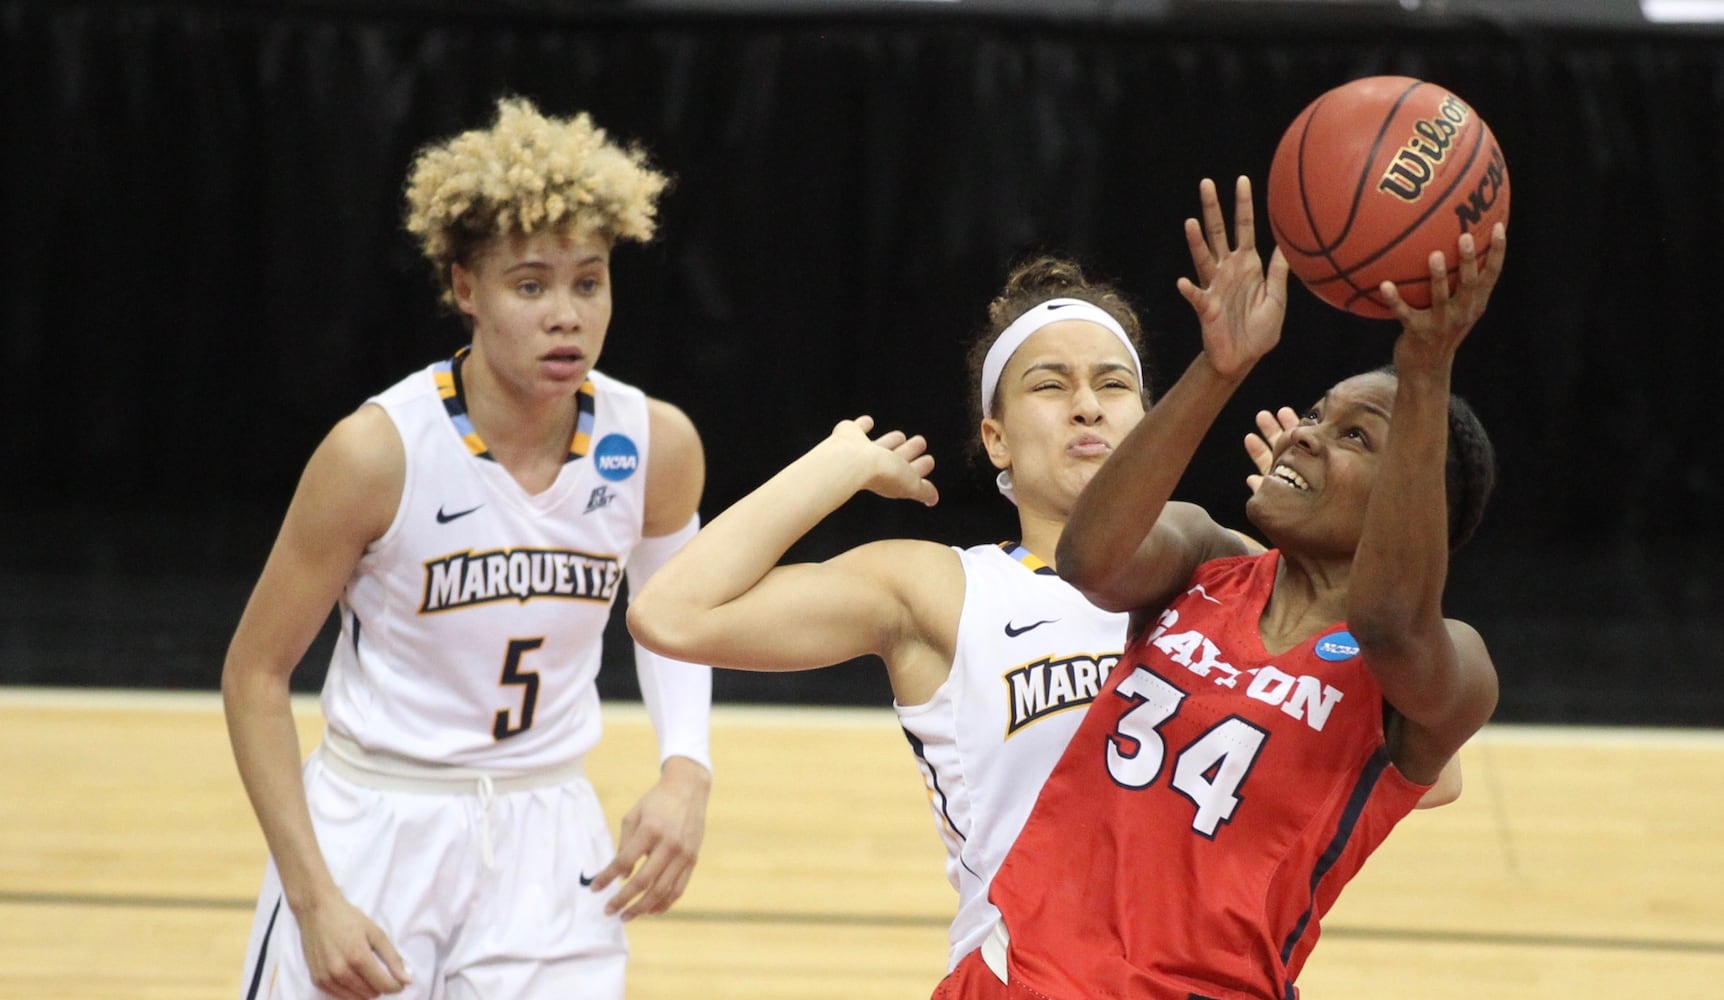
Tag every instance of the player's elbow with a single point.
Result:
(658, 627)
(647, 624)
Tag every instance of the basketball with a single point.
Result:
(1373, 176)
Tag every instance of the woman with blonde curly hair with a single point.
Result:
(472, 524)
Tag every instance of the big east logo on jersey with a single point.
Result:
(616, 457)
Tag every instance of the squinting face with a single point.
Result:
(540, 307)
(1066, 398)
(1314, 497)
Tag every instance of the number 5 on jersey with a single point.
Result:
(1208, 771)
(513, 674)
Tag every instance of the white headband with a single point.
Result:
(1046, 314)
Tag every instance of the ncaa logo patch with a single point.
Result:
(616, 457)
(1337, 646)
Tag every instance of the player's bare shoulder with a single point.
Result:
(357, 474)
(676, 468)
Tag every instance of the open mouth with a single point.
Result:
(1291, 478)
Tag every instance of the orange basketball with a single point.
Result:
(1373, 176)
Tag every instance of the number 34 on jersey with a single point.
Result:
(1209, 769)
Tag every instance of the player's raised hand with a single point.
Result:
(1239, 303)
(1260, 445)
(1436, 333)
(898, 464)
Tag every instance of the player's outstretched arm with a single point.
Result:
(724, 600)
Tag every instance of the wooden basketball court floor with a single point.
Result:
(1578, 863)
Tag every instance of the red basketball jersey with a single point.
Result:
(1208, 811)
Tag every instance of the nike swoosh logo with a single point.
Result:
(1051, 306)
(443, 518)
(1013, 633)
(1200, 592)
(586, 879)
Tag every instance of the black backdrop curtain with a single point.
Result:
(204, 268)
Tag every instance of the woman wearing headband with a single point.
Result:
(1057, 384)
(986, 647)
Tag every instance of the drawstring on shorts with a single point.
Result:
(344, 756)
(486, 787)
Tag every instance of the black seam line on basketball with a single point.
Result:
(1401, 934)
(1359, 190)
(1436, 203)
(1323, 247)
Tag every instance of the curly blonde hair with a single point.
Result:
(523, 173)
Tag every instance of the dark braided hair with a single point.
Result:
(1470, 472)
(1030, 284)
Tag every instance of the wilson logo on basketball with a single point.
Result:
(1416, 162)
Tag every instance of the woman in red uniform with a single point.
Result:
(1275, 715)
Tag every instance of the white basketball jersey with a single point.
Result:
(1032, 652)
(471, 630)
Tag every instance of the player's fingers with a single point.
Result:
(1439, 281)
(1253, 482)
(1491, 268)
(1214, 223)
(639, 884)
(392, 960)
(1259, 452)
(1267, 425)
(620, 867)
(378, 979)
(665, 889)
(1287, 417)
(348, 983)
(1498, 248)
(909, 448)
(1202, 260)
(371, 968)
(629, 850)
(890, 440)
(1244, 215)
(1193, 294)
(665, 894)
(1278, 271)
(335, 988)
(1469, 259)
(1392, 299)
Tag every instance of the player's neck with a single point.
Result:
(527, 435)
(1309, 596)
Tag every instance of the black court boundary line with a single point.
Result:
(1390, 934)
